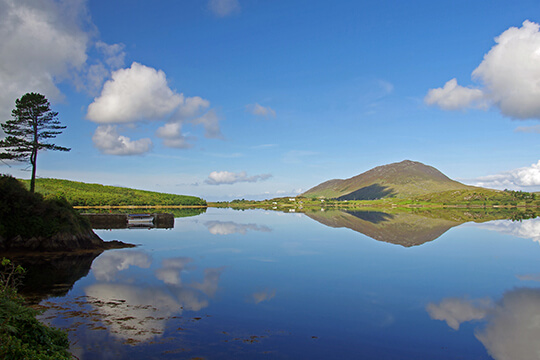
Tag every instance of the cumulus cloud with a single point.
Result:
(210, 122)
(509, 76)
(454, 97)
(230, 227)
(522, 178)
(108, 141)
(134, 94)
(512, 327)
(259, 110)
(191, 107)
(141, 93)
(29, 30)
(226, 177)
(223, 8)
(172, 136)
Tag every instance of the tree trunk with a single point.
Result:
(33, 180)
(33, 156)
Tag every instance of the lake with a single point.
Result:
(258, 284)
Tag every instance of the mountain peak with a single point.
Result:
(400, 180)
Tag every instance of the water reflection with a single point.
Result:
(416, 227)
(405, 229)
(526, 229)
(107, 266)
(264, 295)
(134, 308)
(512, 324)
(229, 227)
(52, 274)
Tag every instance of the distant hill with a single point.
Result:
(83, 194)
(405, 179)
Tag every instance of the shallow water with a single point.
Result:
(262, 284)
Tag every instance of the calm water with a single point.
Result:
(261, 284)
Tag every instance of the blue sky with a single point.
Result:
(256, 99)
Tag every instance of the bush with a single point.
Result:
(26, 214)
(22, 336)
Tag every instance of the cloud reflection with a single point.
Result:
(526, 229)
(512, 326)
(229, 227)
(264, 295)
(138, 311)
(107, 265)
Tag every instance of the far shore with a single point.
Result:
(142, 207)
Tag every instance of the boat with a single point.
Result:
(140, 220)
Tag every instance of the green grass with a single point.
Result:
(83, 194)
(28, 215)
(22, 336)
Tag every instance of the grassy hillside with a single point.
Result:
(29, 215)
(399, 180)
(480, 196)
(83, 194)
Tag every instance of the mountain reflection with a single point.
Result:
(405, 229)
(512, 326)
(137, 310)
(417, 226)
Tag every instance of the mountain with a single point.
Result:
(405, 179)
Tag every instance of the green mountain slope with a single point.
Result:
(83, 194)
(405, 179)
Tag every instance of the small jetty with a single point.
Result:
(127, 221)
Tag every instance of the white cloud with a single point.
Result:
(42, 43)
(454, 97)
(108, 141)
(48, 42)
(134, 94)
(141, 93)
(226, 177)
(522, 178)
(114, 54)
(223, 8)
(260, 110)
(509, 74)
(172, 136)
(191, 107)
(210, 122)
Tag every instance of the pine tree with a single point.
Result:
(32, 123)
